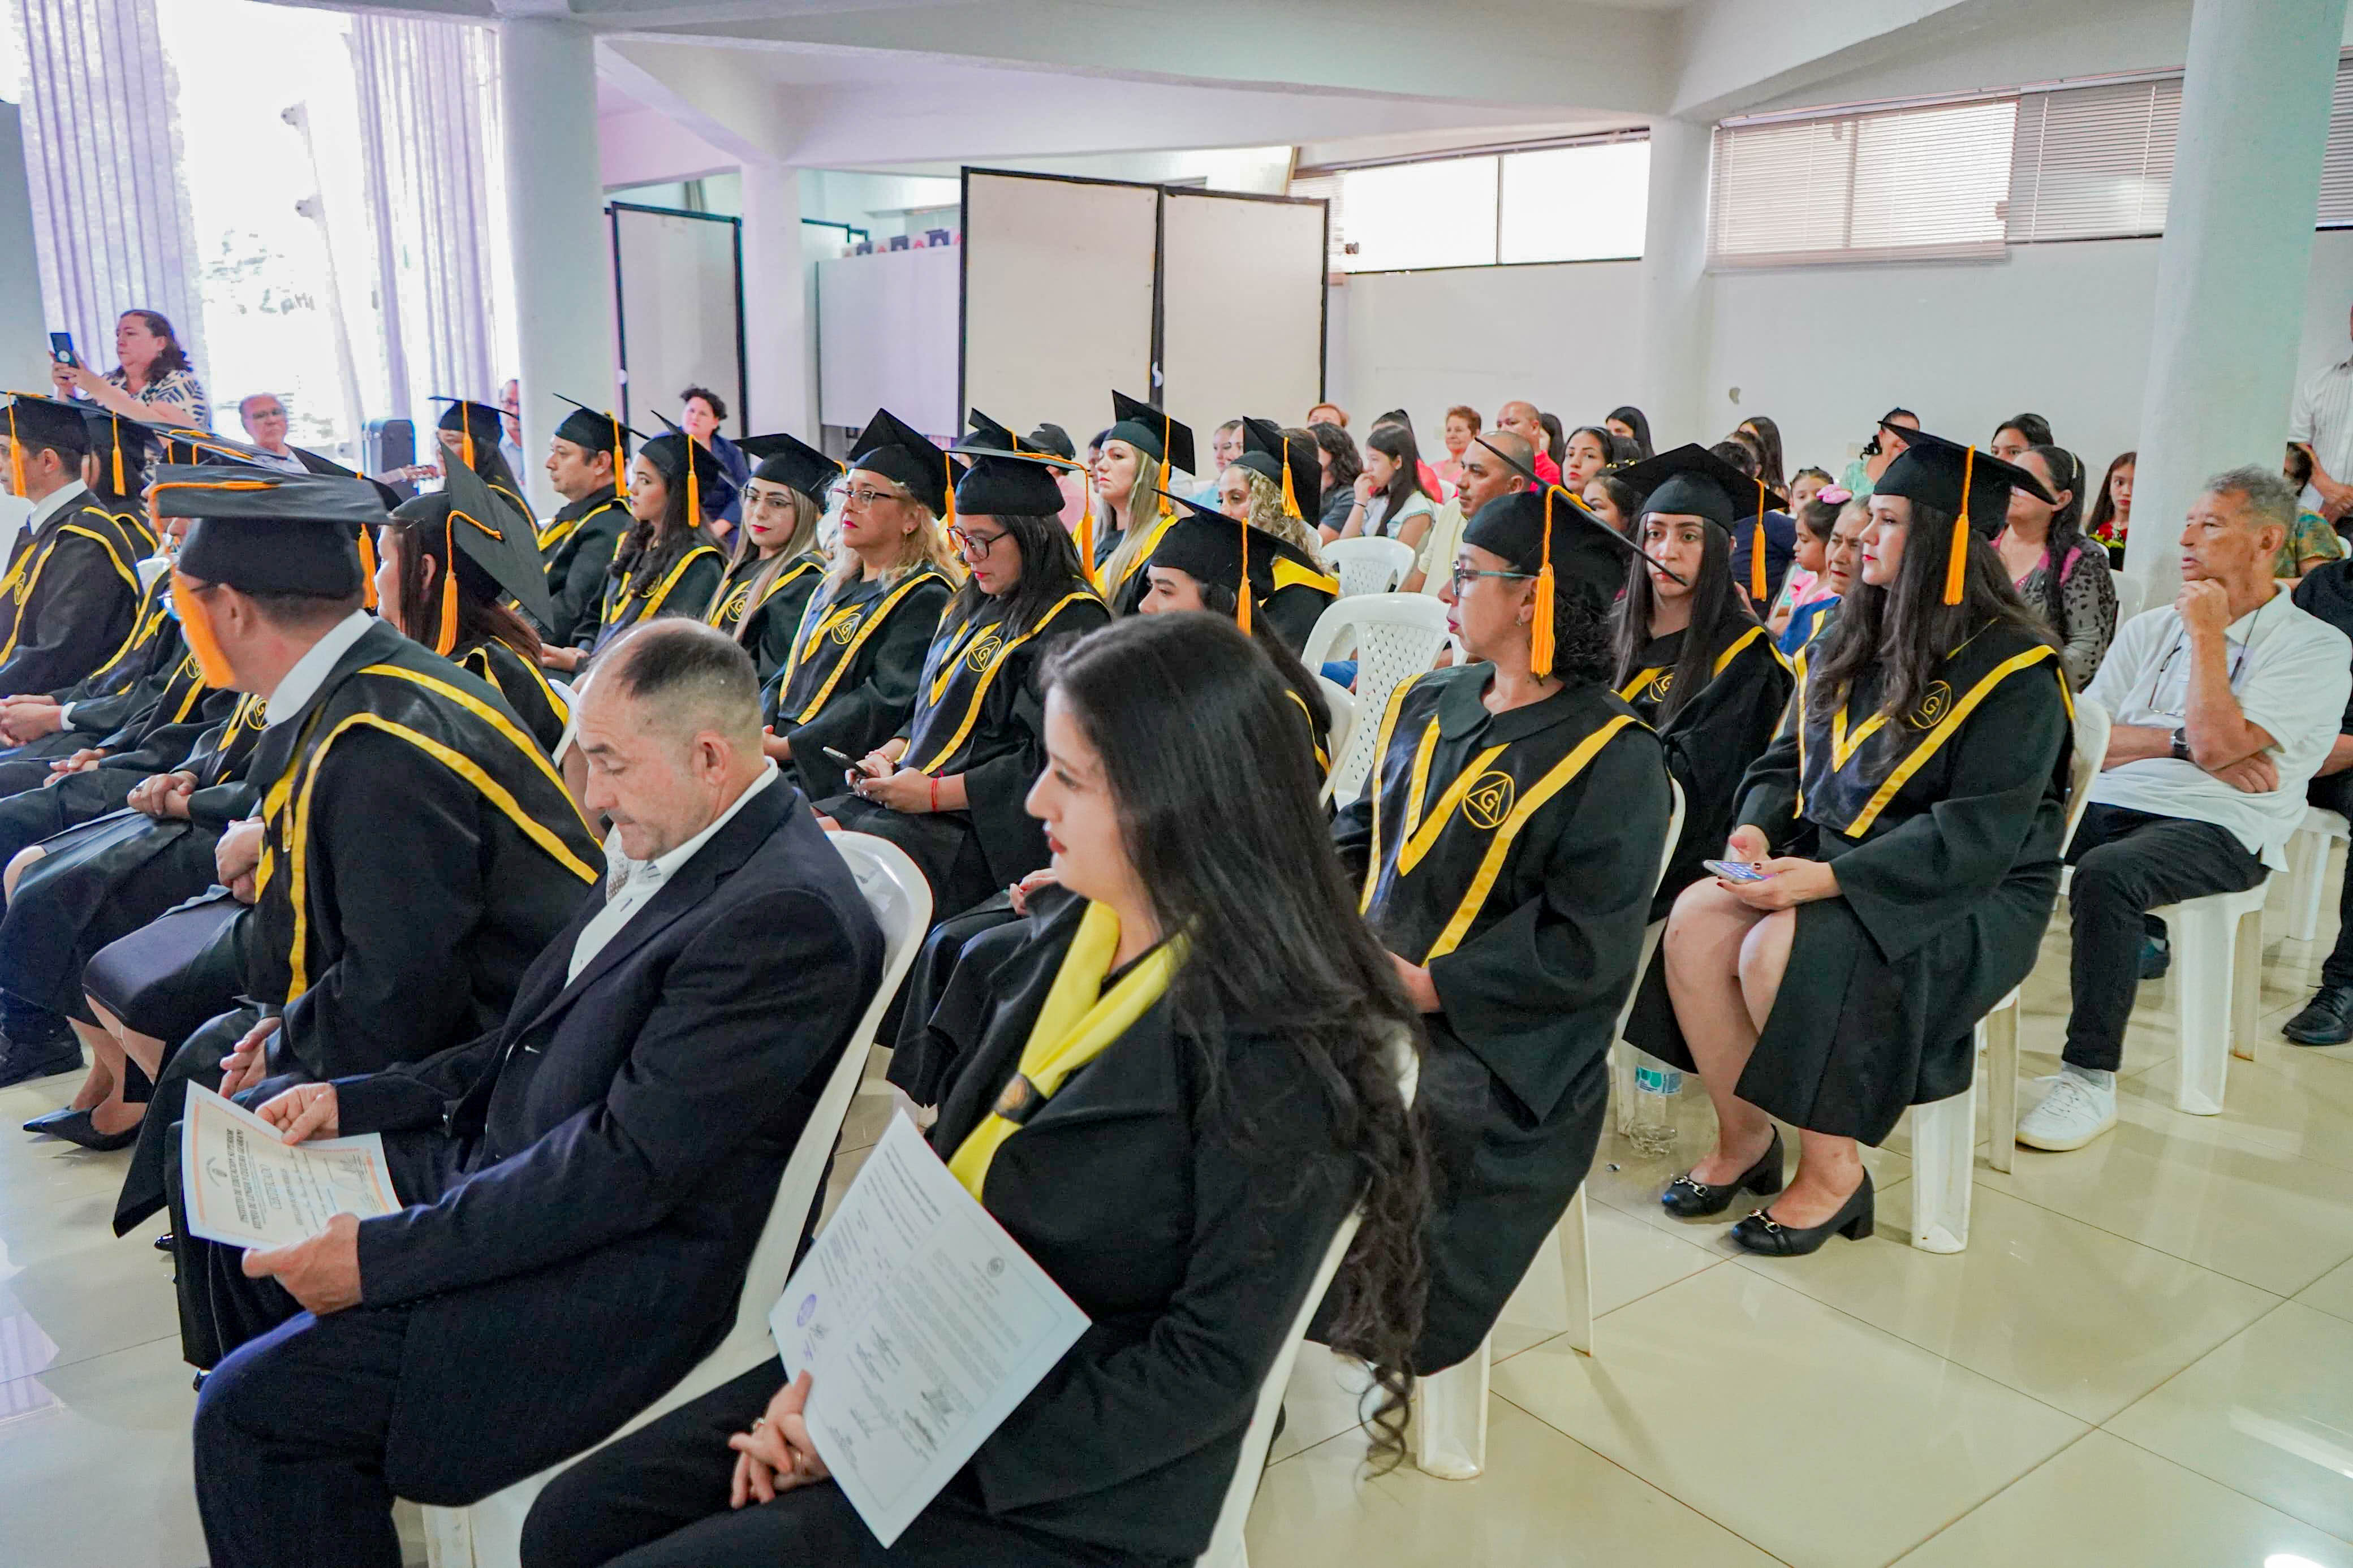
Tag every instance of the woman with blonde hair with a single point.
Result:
(776, 565)
(1139, 451)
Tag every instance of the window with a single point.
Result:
(2094, 161)
(2337, 164)
(1578, 202)
(1891, 185)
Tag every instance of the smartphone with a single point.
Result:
(61, 350)
(858, 768)
(1734, 871)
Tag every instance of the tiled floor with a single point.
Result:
(2145, 1359)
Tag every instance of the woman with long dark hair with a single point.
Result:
(1609, 497)
(1185, 1165)
(1766, 436)
(2060, 575)
(1905, 827)
(948, 788)
(1587, 451)
(2110, 519)
(1389, 501)
(1507, 845)
(666, 564)
(1336, 456)
(776, 565)
(1630, 422)
(2018, 433)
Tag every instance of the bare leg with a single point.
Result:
(18, 867)
(112, 1114)
(1706, 935)
(144, 1050)
(105, 1078)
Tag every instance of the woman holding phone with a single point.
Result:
(152, 379)
(1901, 841)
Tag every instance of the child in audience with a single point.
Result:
(1803, 584)
(1839, 552)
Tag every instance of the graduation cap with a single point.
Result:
(121, 448)
(1049, 438)
(1151, 431)
(478, 421)
(895, 449)
(1973, 485)
(597, 430)
(1692, 481)
(484, 544)
(1287, 460)
(1001, 478)
(1211, 547)
(264, 532)
(1548, 534)
(793, 463)
(42, 423)
(683, 460)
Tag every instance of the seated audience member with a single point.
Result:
(1556, 442)
(1585, 451)
(263, 416)
(851, 681)
(2312, 542)
(1262, 489)
(1132, 476)
(2226, 702)
(2063, 577)
(701, 412)
(114, 470)
(1629, 422)
(1766, 436)
(2110, 519)
(1691, 660)
(1225, 445)
(1462, 423)
(1909, 844)
(1804, 581)
(948, 788)
(1806, 484)
(2018, 433)
(1336, 454)
(1766, 524)
(1507, 844)
(1388, 499)
(1849, 515)
(667, 564)
(474, 434)
(776, 565)
(1055, 441)
(1609, 497)
(1144, 1181)
(2327, 594)
(1886, 445)
(152, 378)
(1328, 413)
(586, 457)
(584, 1180)
(1521, 419)
(1496, 465)
(399, 895)
(71, 587)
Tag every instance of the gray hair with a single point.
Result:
(2270, 497)
(694, 677)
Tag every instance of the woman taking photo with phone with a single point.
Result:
(152, 378)
(776, 566)
(1902, 835)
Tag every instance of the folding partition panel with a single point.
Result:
(1241, 307)
(887, 339)
(678, 311)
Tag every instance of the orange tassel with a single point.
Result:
(1540, 646)
(1243, 598)
(948, 463)
(1168, 507)
(118, 454)
(445, 637)
(15, 454)
(1756, 589)
(1290, 493)
(367, 568)
(1086, 536)
(1957, 561)
(621, 466)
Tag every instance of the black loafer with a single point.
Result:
(2326, 1019)
(76, 1127)
(1760, 1232)
(1687, 1199)
(21, 1062)
(167, 1242)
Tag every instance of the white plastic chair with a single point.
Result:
(2218, 956)
(2129, 597)
(1368, 565)
(1343, 703)
(1944, 1132)
(490, 1533)
(2307, 859)
(1449, 1408)
(1397, 637)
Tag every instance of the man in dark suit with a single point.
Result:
(585, 1183)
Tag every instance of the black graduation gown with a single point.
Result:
(68, 598)
(978, 713)
(1512, 855)
(577, 547)
(1944, 827)
(119, 694)
(851, 681)
(774, 622)
(1298, 602)
(682, 590)
(539, 705)
(1126, 593)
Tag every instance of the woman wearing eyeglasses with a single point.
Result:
(1507, 846)
(850, 681)
(776, 566)
(948, 788)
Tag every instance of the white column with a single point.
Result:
(2232, 267)
(563, 265)
(1673, 370)
(779, 340)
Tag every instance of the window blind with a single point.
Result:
(2337, 164)
(2094, 161)
(1914, 183)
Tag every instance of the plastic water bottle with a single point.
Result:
(1652, 1128)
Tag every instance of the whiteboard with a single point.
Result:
(1057, 296)
(886, 336)
(678, 294)
(1242, 310)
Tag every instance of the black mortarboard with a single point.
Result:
(42, 423)
(792, 462)
(485, 423)
(1550, 535)
(1151, 431)
(1208, 546)
(262, 532)
(1288, 460)
(1000, 480)
(121, 448)
(590, 429)
(1692, 481)
(494, 549)
(683, 460)
(1052, 438)
(891, 447)
(1973, 485)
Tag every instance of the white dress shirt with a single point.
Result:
(286, 464)
(2323, 420)
(293, 693)
(630, 884)
(72, 492)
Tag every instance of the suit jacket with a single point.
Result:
(1189, 1242)
(615, 1149)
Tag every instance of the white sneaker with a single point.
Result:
(2070, 1115)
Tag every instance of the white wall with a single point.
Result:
(2060, 330)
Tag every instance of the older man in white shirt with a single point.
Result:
(2226, 702)
(2322, 424)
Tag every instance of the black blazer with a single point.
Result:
(1190, 1243)
(617, 1145)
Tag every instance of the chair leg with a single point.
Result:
(2000, 1029)
(1622, 1085)
(2205, 953)
(448, 1537)
(2247, 982)
(2308, 873)
(1577, 1272)
(1943, 1146)
(1450, 1419)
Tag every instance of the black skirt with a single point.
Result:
(94, 883)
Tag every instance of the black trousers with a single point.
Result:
(2127, 863)
(658, 1499)
(2335, 794)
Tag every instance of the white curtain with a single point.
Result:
(429, 136)
(111, 217)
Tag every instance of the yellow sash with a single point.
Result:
(1078, 1024)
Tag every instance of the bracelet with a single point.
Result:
(935, 795)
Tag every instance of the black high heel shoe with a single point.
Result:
(76, 1127)
(1687, 1199)
(1760, 1232)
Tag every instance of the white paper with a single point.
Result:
(244, 1187)
(922, 1323)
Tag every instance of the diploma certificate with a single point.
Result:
(244, 1187)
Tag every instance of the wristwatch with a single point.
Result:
(2180, 746)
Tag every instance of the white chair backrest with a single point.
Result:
(2092, 726)
(1343, 704)
(1368, 565)
(2128, 595)
(1397, 637)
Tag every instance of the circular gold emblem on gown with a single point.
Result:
(1934, 704)
(845, 628)
(1489, 799)
(1662, 683)
(977, 657)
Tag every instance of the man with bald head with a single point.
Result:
(584, 1182)
(1488, 474)
(1521, 420)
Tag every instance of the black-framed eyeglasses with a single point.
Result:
(972, 546)
(1463, 574)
